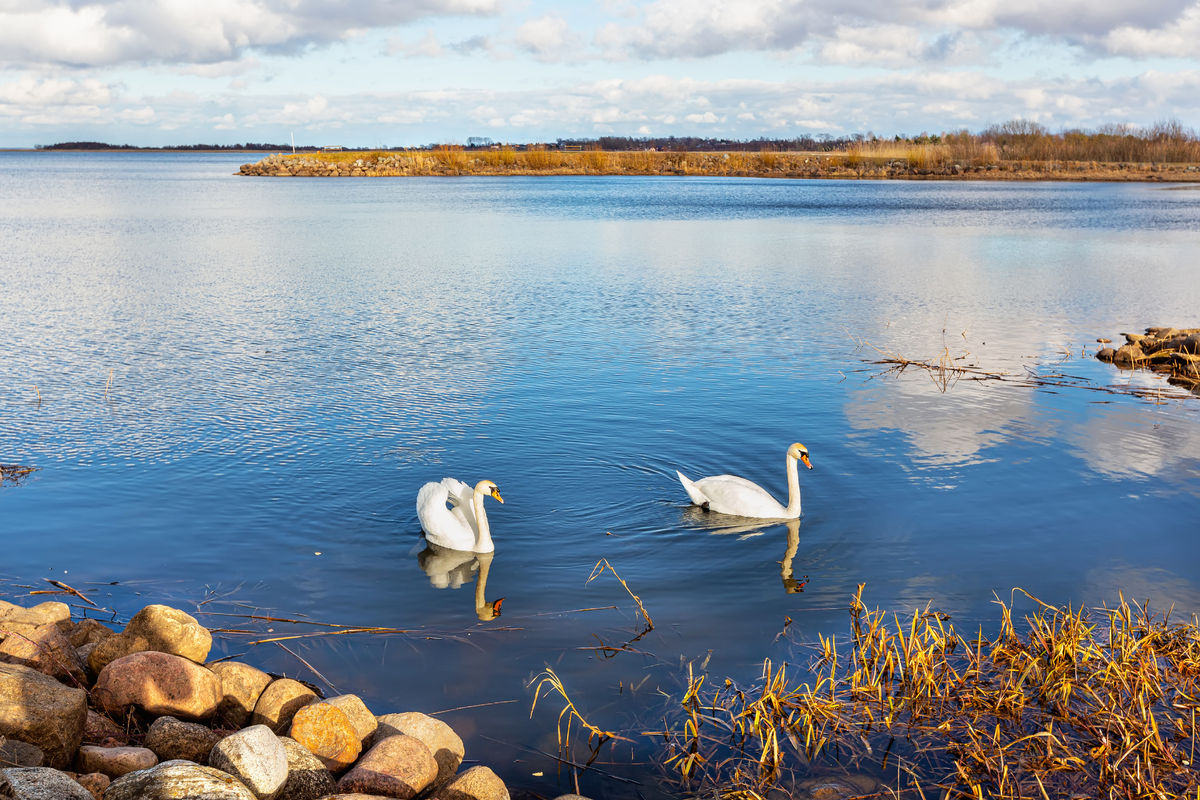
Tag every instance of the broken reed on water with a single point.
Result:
(1078, 703)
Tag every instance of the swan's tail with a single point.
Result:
(693, 493)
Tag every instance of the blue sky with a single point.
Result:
(380, 73)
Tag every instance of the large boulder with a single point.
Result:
(169, 630)
(476, 783)
(178, 780)
(114, 761)
(254, 756)
(158, 683)
(45, 649)
(39, 783)
(173, 740)
(39, 710)
(397, 766)
(241, 686)
(308, 779)
(328, 734)
(279, 702)
(48, 613)
(440, 738)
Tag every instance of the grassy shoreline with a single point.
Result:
(911, 163)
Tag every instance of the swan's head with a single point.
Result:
(489, 488)
(799, 451)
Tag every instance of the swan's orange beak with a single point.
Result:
(804, 458)
(496, 494)
(496, 606)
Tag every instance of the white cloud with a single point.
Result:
(548, 38)
(107, 32)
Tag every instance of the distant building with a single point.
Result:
(332, 147)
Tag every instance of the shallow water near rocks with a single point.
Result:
(241, 384)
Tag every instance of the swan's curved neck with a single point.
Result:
(483, 535)
(793, 481)
(485, 564)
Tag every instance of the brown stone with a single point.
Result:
(172, 739)
(477, 783)
(95, 782)
(41, 711)
(169, 630)
(160, 684)
(397, 766)
(47, 613)
(241, 686)
(87, 631)
(440, 738)
(113, 647)
(328, 734)
(99, 729)
(114, 761)
(14, 753)
(279, 702)
(360, 716)
(45, 649)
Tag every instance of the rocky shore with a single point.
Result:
(450, 162)
(89, 713)
(1174, 352)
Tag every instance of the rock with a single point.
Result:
(158, 683)
(360, 716)
(328, 734)
(307, 777)
(839, 787)
(41, 711)
(87, 631)
(39, 783)
(241, 686)
(572, 797)
(48, 613)
(1106, 354)
(173, 740)
(99, 729)
(1127, 354)
(45, 649)
(279, 702)
(440, 738)
(95, 782)
(84, 652)
(397, 766)
(15, 753)
(169, 630)
(477, 783)
(178, 780)
(113, 647)
(254, 756)
(114, 761)
(1191, 344)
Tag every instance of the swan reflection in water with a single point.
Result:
(450, 569)
(714, 524)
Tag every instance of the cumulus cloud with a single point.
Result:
(549, 38)
(108, 32)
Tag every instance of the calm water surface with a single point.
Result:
(291, 359)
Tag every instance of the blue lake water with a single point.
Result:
(234, 387)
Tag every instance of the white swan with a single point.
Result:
(462, 524)
(729, 494)
(452, 568)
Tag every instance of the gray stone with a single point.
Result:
(174, 740)
(41, 711)
(169, 630)
(440, 738)
(178, 780)
(15, 753)
(39, 783)
(254, 756)
(307, 777)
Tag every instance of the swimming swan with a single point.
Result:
(729, 494)
(463, 525)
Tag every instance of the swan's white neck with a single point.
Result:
(793, 481)
(483, 536)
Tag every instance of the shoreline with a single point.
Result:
(796, 166)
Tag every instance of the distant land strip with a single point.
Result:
(868, 160)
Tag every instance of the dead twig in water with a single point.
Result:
(311, 668)
(599, 570)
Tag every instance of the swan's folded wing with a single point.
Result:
(460, 496)
(431, 497)
(732, 494)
